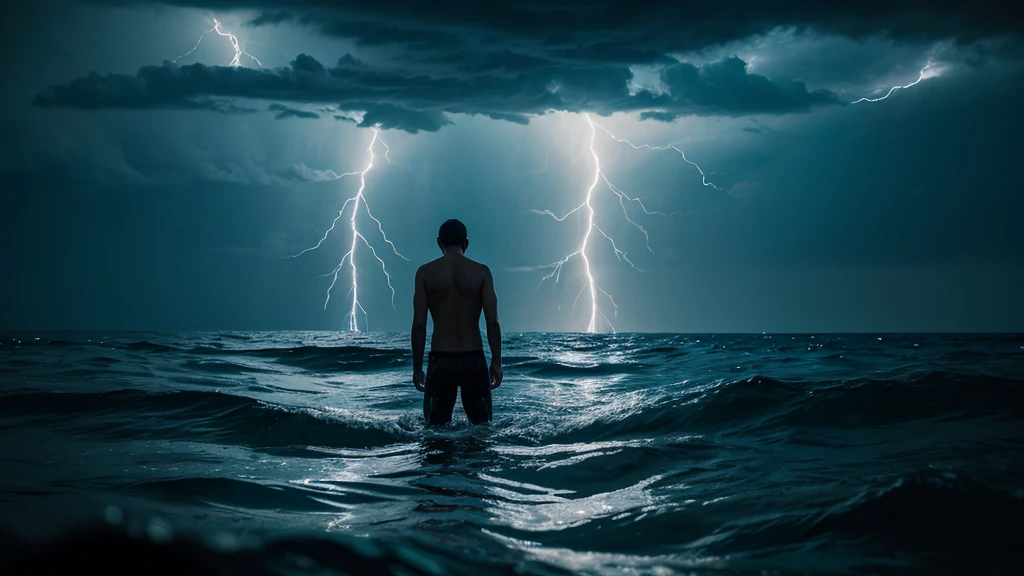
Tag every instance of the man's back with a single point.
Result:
(455, 290)
(454, 287)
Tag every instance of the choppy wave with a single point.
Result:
(202, 416)
(153, 549)
(921, 508)
(747, 403)
(647, 454)
(347, 358)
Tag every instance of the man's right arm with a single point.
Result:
(419, 329)
(490, 305)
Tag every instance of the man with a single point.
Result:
(455, 290)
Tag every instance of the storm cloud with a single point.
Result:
(421, 102)
(282, 112)
(617, 30)
(168, 208)
(518, 59)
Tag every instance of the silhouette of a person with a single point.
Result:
(455, 290)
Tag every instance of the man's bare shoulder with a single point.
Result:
(464, 264)
(428, 267)
(478, 271)
(478, 266)
(485, 272)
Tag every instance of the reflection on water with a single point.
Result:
(446, 450)
(609, 454)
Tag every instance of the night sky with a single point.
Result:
(142, 193)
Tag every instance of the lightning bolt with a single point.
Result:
(590, 285)
(357, 201)
(587, 209)
(923, 75)
(239, 50)
(671, 146)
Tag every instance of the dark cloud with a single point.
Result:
(726, 84)
(660, 116)
(756, 127)
(494, 61)
(420, 102)
(339, 115)
(271, 18)
(226, 107)
(514, 59)
(1010, 48)
(304, 63)
(349, 61)
(389, 116)
(514, 118)
(95, 92)
(287, 112)
(373, 33)
(648, 27)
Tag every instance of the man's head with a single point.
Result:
(452, 234)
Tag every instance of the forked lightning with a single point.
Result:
(358, 201)
(239, 50)
(587, 209)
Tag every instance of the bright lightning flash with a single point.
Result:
(587, 208)
(673, 147)
(357, 201)
(929, 71)
(239, 50)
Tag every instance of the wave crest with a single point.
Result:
(204, 416)
(762, 403)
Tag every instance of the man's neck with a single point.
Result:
(454, 251)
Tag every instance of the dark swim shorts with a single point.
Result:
(446, 373)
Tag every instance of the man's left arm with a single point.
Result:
(419, 330)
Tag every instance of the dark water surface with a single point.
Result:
(295, 452)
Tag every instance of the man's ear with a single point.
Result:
(465, 246)
(439, 245)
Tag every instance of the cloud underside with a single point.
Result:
(421, 102)
(516, 59)
(615, 30)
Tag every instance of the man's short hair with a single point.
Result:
(452, 233)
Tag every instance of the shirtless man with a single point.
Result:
(455, 289)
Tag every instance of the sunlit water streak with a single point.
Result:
(649, 454)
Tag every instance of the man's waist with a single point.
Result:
(456, 353)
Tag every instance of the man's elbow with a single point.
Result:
(492, 324)
(419, 325)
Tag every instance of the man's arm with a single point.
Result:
(490, 303)
(419, 328)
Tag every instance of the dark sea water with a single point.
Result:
(304, 453)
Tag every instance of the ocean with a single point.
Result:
(305, 453)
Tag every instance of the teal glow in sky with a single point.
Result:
(728, 182)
